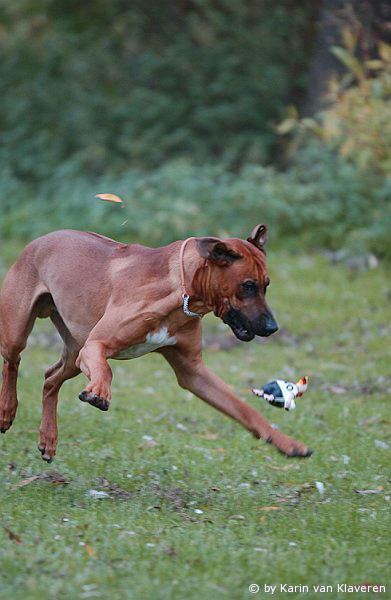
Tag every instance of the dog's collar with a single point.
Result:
(185, 295)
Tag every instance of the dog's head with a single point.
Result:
(234, 280)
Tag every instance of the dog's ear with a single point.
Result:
(217, 251)
(258, 237)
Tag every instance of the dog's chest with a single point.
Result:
(154, 340)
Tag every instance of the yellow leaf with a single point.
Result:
(109, 198)
(268, 508)
(349, 60)
(286, 126)
(374, 64)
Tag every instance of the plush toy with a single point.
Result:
(282, 393)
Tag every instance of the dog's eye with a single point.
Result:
(249, 288)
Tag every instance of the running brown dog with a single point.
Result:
(112, 300)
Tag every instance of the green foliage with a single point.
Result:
(357, 121)
(171, 106)
(321, 201)
(107, 85)
(343, 154)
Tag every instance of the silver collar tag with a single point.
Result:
(189, 313)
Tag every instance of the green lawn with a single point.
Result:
(193, 506)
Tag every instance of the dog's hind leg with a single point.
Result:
(55, 376)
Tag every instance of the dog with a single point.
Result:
(116, 301)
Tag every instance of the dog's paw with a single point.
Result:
(6, 419)
(300, 453)
(94, 400)
(47, 446)
(290, 447)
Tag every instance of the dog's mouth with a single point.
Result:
(239, 325)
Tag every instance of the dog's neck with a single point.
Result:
(190, 263)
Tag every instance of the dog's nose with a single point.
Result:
(270, 326)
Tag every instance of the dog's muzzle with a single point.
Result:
(246, 329)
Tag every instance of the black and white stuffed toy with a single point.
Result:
(282, 393)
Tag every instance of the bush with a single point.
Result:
(109, 86)
(320, 202)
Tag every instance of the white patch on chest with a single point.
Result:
(154, 340)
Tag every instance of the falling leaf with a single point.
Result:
(110, 198)
(90, 551)
(12, 536)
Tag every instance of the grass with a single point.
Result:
(194, 507)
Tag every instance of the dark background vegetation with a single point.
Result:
(206, 116)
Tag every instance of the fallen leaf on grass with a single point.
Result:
(268, 508)
(367, 492)
(12, 536)
(27, 481)
(336, 389)
(284, 468)
(169, 550)
(113, 489)
(208, 435)
(90, 551)
(109, 198)
(148, 442)
(369, 420)
(52, 477)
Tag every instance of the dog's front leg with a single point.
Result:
(193, 375)
(92, 361)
